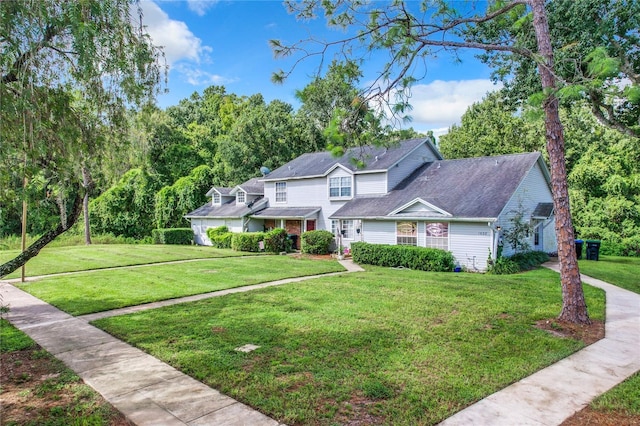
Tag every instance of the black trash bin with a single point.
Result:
(579, 248)
(294, 241)
(593, 249)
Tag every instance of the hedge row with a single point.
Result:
(420, 258)
(172, 236)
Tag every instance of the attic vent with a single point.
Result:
(496, 161)
(438, 165)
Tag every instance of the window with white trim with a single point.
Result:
(281, 192)
(340, 187)
(216, 198)
(407, 233)
(241, 197)
(437, 235)
(347, 228)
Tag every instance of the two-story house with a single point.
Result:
(403, 194)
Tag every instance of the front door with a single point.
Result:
(311, 225)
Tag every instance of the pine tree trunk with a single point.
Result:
(574, 308)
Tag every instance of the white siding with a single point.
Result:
(313, 192)
(370, 183)
(403, 169)
(379, 232)
(532, 190)
(470, 244)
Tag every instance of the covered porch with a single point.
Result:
(294, 220)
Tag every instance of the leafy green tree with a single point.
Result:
(262, 135)
(410, 33)
(492, 127)
(127, 208)
(51, 50)
(595, 47)
(186, 194)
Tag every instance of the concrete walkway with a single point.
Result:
(146, 390)
(555, 393)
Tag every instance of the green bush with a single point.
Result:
(220, 237)
(529, 260)
(247, 241)
(631, 246)
(503, 266)
(182, 236)
(420, 258)
(277, 241)
(317, 242)
(517, 263)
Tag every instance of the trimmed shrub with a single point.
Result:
(317, 242)
(276, 241)
(420, 258)
(247, 241)
(220, 237)
(182, 236)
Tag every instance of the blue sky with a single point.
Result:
(216, 42)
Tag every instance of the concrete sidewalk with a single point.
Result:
(555, 393)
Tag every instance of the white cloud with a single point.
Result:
(177, 41)
(442, 103)
(198, 77)
(200, 6)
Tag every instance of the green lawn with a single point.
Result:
(624, 398)
(81, 258)
(384, 346)
(97, 291)
(621, 271)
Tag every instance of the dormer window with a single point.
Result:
(340, 187)
(241, 197)
(216, 199)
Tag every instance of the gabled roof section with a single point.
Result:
(419, 207)
(466, 188)
(220, 190)
(375, 158)
(254, 186)
(228, 210)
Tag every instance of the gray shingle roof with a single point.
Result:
(254, 186)
(221, 190)
(319, 163)
(465, 188)
(286, 212)
(543, 210)
(227, 210)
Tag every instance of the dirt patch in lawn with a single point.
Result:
(36, 388)
(591, 417)
(589, 334)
